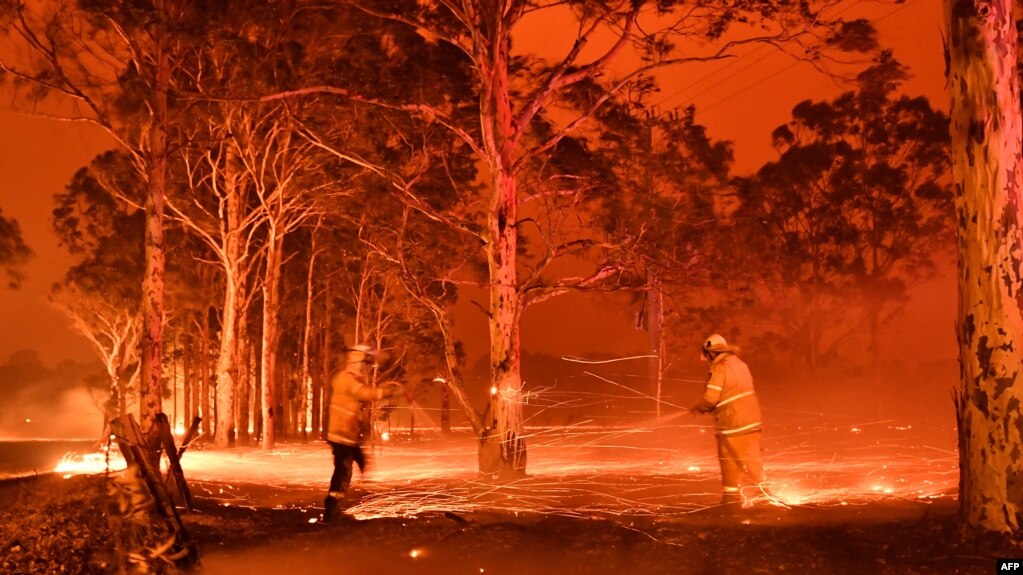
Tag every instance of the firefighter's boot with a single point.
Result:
(731, 498)
(332, 507)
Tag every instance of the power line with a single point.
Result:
(781, 71)
(734, 62)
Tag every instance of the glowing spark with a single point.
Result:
(385, 436)
(588, 470)
(581, 360)
(27, 420)
(414, 553)
(493, 390)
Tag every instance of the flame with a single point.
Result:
(89, 464)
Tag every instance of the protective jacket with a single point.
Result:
(730, 395)
(347, 391)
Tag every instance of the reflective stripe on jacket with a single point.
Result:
(348, 390)
(730, 391)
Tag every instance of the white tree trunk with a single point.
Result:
(233, 278)
(225, 364)
(985, 114)
(271, 307)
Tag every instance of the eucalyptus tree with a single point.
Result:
(14, 252)
(112, 63)
(219, 212)
(252, 176)
(861, 204)
(666, 176)
(987, 168)
(100, 292)
(520, 119)
(287, 180)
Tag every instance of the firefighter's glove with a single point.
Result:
(392, 388)
(701, 407)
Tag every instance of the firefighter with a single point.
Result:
(730, 396)
(348, 390)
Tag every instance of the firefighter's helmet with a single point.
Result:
(715, 343)
(361, 354)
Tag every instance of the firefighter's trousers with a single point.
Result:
(739, 456)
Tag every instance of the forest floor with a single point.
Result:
(422, 510)
(50, 525)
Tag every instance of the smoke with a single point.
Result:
(41, 402)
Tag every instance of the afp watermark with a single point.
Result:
(1009, 566)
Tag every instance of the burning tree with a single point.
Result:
(988, 179)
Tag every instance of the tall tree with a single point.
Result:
(114, 61)
(280, 166)
(861, 203)
(516, 130)
(987, 163)
(666, 174)
(13, 251)
(100, 292)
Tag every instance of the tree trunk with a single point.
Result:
(202, 399)
(985, 130)
(233, 278)
(271, 281)
(655, 321)
(328, 365)
(304, 377)
(454, 379)
(189, 381)
(151, 381)
(244, 383)
(503, 450)
(225, 364)
(445, 408)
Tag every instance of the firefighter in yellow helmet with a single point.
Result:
(348, 390)
(729, 395)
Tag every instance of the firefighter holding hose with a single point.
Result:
(730, 396)
(348, 390)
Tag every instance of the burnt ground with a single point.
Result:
(53, 525)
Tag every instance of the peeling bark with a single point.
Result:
(151, 353)
(986, 148)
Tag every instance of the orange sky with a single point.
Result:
(741, 100)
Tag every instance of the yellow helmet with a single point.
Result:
(715, 343)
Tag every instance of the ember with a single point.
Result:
(587, 471)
